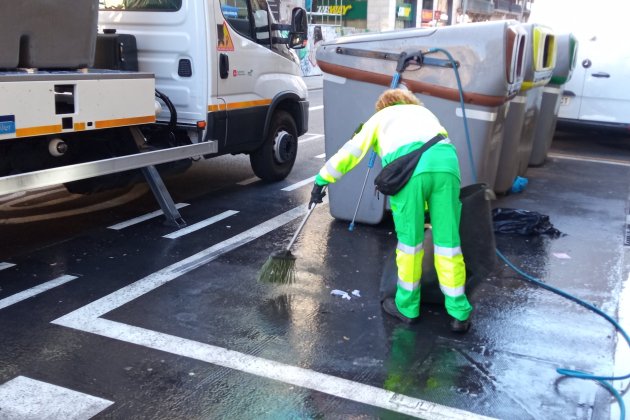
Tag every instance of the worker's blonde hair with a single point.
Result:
(396, 97)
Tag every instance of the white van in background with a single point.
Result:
(598, 93)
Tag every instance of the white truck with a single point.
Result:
(212, 77)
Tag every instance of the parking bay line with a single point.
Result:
(34, 291)
(299, 184)
(87, 318)
(5, 265)
(311, 138)
(140, 219)
(200, 225)
(26, 398)
(589, 159)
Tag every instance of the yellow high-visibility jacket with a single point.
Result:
(393, 132)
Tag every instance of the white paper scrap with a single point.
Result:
(356, 293)
(561, 255)
(344, 295)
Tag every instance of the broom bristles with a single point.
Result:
(279, 269)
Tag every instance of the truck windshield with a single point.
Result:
(141, 5)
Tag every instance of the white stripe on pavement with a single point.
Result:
(322, 156)
(200, 225)
(87, 319)
(316, 108)
(249, 181)
(26, 398)
(34, 291)
(311, 138)
(589, 159)
(299, 184)
(5, 265)
(145, 217)
(294, 375)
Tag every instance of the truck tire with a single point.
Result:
(274, 160)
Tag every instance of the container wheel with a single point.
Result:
(274, 160)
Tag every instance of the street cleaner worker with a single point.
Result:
(400, 126)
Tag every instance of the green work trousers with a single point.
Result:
(440, 192)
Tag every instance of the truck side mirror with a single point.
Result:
(299, 28)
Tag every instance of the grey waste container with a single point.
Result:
(552, 94)
(539, 62)
(353, 82)
(48, 34)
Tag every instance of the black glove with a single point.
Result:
(317, 195)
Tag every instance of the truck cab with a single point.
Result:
(228, 70)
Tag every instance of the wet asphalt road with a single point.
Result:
(139, 325)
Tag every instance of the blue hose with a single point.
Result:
(601, 379)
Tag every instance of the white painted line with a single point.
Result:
(26, 398)
(475, 114)
(590, 159)
(34, 291)
(316, 108)
(165, 275)
(311, 138)
(200, 225)
(143, 218)
(5, 265)
(297, 376)
(249, 181)
(322, 156)
(299, 184)
(87, 319)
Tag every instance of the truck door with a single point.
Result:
(248, 74)
(171, 37)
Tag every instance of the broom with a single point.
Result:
(280, 266)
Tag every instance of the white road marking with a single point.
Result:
(5, 265)
(299, 184)
(88, 319)
(26, 398)
(165, 275)
(249, 181)
(316, 108)
(143, 218)
(200, 225)
(34, 291)
(311, 138)
(322, 156)
(305, 378)
(589, 159)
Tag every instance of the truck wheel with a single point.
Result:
(275, 158)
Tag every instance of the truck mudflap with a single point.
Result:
(303, 124)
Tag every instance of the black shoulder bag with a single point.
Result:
(395, 175)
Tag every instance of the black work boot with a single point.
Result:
(389, 306)
(458, 326)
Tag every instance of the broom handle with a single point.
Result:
(299, 229)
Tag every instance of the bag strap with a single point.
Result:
(430, 143)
